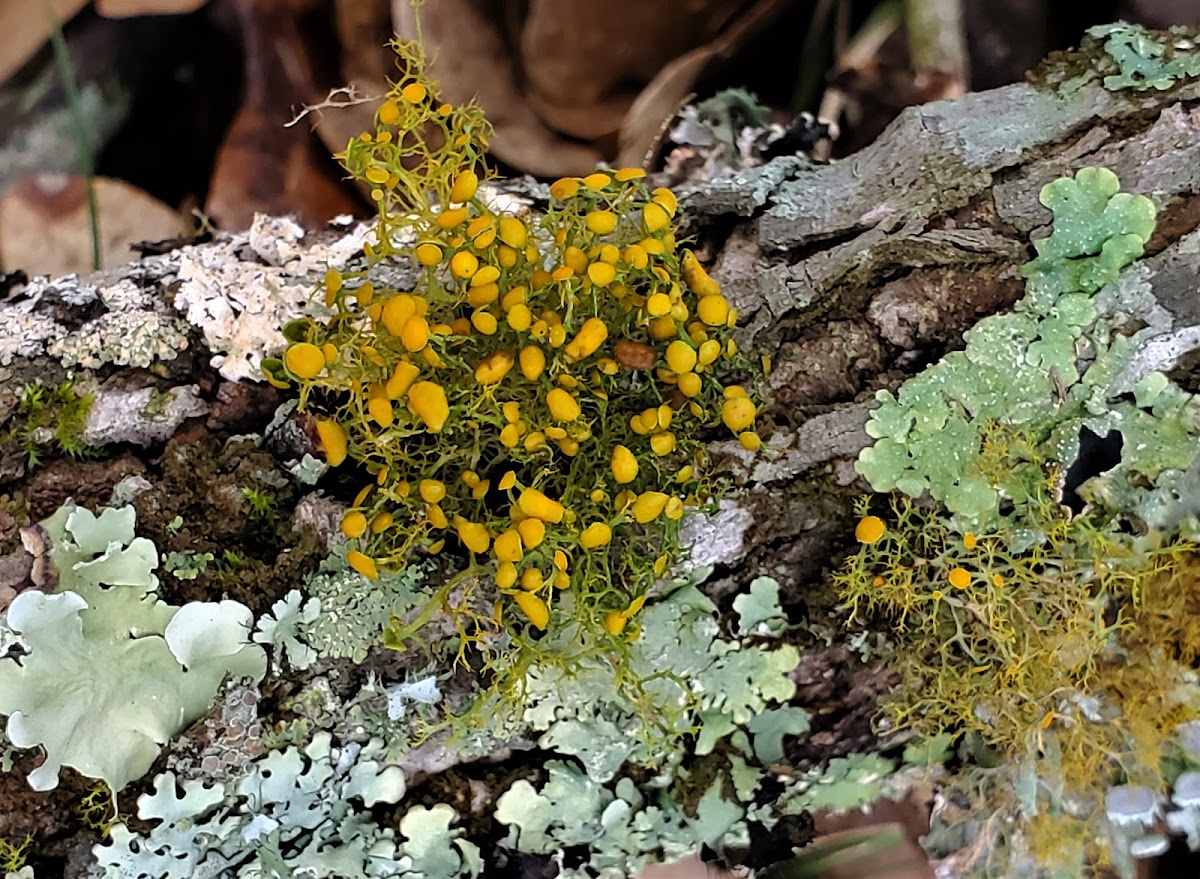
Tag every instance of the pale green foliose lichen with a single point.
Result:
(1147, 60)
(354, 610)
(758, 610)
(678, 671)
(109, 671)
(306, 810)
(296, 813)
(982, 431)
(622, 828)
(186, 565)
(281, 630)
(1046, 369)
(848, 783)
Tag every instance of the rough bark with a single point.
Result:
(855, 275)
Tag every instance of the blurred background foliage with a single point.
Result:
(191, 112)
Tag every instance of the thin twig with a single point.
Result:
(348, 95)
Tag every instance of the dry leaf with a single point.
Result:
(1160, 13)
(880, 851)
(569, 83)
(24, 27)
(657, 104)
(907, 818)
(263, 165)
(661, 98)
(45, 227)
(472, 60)
(362, 29)
(129, 8)
(686, 868)
(581, 57)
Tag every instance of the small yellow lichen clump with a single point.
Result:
(537, 399)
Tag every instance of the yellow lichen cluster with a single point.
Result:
(537, 398)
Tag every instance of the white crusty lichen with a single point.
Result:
(135, 328)
(238, 291)
(142, 416)
(26, 333)
(128, 338)
(242, 304)
(717, 538)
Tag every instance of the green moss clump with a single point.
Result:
(49, 420)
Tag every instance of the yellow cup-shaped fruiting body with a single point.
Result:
(304, 360)
(594, 535)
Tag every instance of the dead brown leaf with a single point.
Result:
(24, 27)
(907, 818)
(856, 855)
(658, 103)
(472, 60)
(568, 83)
(45, 227)
(687, 868)
(130, 8)
(1160, 13)
(580, 59)
(662, 97)
(263, 165)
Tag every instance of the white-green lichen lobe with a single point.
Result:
(1148, 60)
(110, 673)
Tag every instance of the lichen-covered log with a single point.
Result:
(850, 279)
(848, 276)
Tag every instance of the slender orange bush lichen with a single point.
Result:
(551, 374)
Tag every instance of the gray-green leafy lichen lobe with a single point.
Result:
(1148, 59)
(1123, 56)
(1023, 369)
